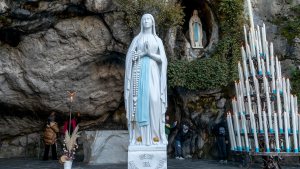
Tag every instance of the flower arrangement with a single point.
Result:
(70, 145)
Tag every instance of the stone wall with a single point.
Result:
(50, 47)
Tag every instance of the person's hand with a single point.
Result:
(141, 53)
(175, 123)
(146, 48)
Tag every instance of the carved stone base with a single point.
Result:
(147, 157)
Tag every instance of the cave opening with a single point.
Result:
(205, 15)
(10, 36)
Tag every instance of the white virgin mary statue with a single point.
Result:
(145, 89)
(195, 30)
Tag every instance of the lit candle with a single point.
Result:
(247, 148)
(288, 93)
(245, 35)
(256, 85)
(267, 60)
(252, 68)
(245, 63)
(236, 88)
(277, 149)
(286, 133)
(237, 128)
(231, 135)
(250, 14)
(296, 112)
(249, 104)
(241, 78)
(279, 87)
(279, 109)
(299, 130)
(286, 107)
(294, 126)
(272, 68)
(280, 76)
(241, 87)
(236, 125)
(263, 68)
(266, 132)
(266, 87)
(254, 132)
(252, 43)
(258, 59)
(259, 42)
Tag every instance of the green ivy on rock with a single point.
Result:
(221, 68)
(167, 13)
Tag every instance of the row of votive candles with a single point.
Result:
(239, 134)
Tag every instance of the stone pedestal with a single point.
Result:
(105, 146)
(147, 157)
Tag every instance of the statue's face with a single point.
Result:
(147, 21)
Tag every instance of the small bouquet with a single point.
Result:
(70, 145)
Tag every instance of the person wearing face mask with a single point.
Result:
(179, 139)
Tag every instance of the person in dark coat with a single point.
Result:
(181, 136)
(220, 132)
(50, 136)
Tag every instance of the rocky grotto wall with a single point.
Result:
(50, 47)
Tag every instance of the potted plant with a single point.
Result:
(70, 146)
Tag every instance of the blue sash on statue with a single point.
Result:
(143, 94)
(196, 32)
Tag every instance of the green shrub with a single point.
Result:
(209, 73)
(166, 14)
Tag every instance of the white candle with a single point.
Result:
(299, 130)
(249, 105)
(263, 68)
(259, 42)
(245, 66)
(279, 87)
(272, 68)
(237, 128)
(242, 91)
(245, 35)
(241, 79)
(247, 148)
(258, 59)
(252, 68)
(294, 126)
(256, 85)
(263, 39)
(280, 76)
(279, 109)
(296, 112)
(236, 88)
(266, 87)
(250, 14)
(286, 133)
(277, 149)
(254, 132)
(267, 60)
(286, 107)
(288, 92)
(252, 42)
(231, 135)
(266, 132)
